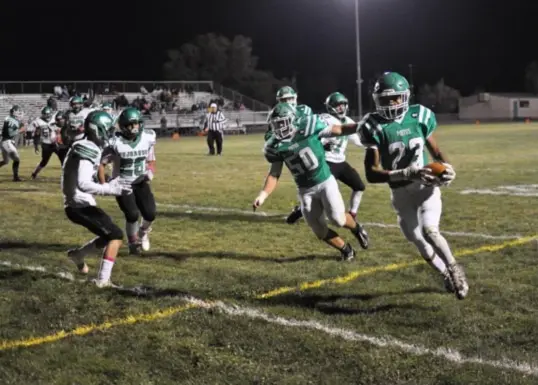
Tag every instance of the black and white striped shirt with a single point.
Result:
(215, 121)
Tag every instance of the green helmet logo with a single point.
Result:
(337, 105)
(98, 127)
(281, 120)
(391, 95)
(130, 122)
(287, 95)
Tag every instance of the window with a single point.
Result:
(524, 104)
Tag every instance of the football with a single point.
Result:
(437, 168)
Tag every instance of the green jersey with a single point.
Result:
(11, 128)
(300, 110)
(303, 153)
(400, 143)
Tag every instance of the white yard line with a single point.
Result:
(386, 341)
(192, 208)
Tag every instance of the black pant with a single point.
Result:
(46, 152)
(347, 175)
(95, 220)
(62, 153)
(141, 201)
(212, 137)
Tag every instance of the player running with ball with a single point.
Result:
(396, 137)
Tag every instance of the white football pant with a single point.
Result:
(9, 151)
(320, 201)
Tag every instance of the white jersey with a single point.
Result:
(47, 130)
(78, 171)
(338, 144)
(77, 119)
(129, 157)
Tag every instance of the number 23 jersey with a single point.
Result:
(129, 157)
(303, 153)
(400, 142)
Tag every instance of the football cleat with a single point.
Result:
(449, 283)
(134, 248)
(76, 256)
(143, 235)
(295, 215)
(361, 235)
(103, 284)
(460, 281)
(348, 254)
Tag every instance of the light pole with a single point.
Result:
(358, 50)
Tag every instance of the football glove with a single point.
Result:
(259, 200)
(119, 189)
(448, 176)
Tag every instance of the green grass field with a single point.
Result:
(386, 320)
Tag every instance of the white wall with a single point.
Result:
(470, 108)
(498, 107)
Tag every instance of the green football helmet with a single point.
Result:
(46, 113)
(287, 95)
(16, 112)
(281, 119)
(107, 107)
(337, 105)
(391, 95)
(130, 123)
(76, 103)
(98, 127)
(60, 118)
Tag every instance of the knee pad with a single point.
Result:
(338, 219)
(132, 216)
(115, 234)
(150, 216)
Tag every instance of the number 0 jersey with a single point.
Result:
(401, 142)
(303, 153)
(129, 157)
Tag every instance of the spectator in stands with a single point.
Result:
(52, 103)
(214, 124)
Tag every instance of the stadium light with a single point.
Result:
(358, 51)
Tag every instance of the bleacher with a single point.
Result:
(179, 117)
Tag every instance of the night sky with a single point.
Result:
(471, 43)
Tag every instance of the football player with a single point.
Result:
(46, 130)
(13, 126)
(75, 116)
(78, 190)
(59, 124)
(335, 153)
(132, 154)
(397, 136)
(296, 142)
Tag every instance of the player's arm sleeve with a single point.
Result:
(367, 132)
(276, 169)
(85, 181)
(271, 155)
(427, 120)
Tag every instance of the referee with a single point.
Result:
(214, 125)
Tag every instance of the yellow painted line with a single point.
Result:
(392, 267)
(87, 329)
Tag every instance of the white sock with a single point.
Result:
(132, 231)
(438, 264)
(105, 270)
(355, 201)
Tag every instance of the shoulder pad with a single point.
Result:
(87, 150)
